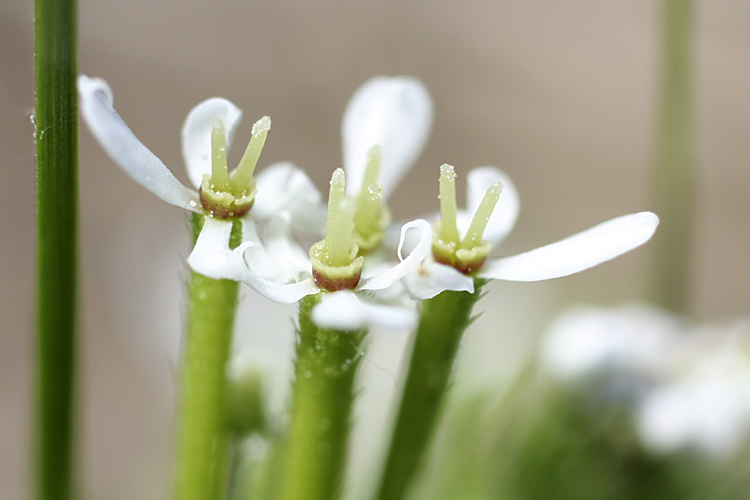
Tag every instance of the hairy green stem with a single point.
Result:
(442, 323)
(203, 434)
(322, 400)
(674, 169)
(56, 120)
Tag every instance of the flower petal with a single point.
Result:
(280, 243)
(506, 211)
(196, 134)
(283, 186)
(386, 278)
(344, 311)
(126, 150)
(278, 292)
(212, 256)
(432, 278)
(393, 113)
(576, 253)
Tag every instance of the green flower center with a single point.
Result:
(370, 217)
(469, 254)
(334, 260)
(221, 195)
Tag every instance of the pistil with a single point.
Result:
(242, 180)
(469, 254)
(371, 217)
(334, 260)
(220, 196)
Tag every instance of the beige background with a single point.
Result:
(558, 94)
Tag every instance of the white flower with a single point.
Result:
(396, 115)
(690, 385)
(250, 262)
(282, 189)
(571, 255)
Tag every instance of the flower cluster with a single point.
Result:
(385, 127)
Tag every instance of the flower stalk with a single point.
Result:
(443, 320)
(322, 399)
(203, 434)
(56, 121)
(672, 190)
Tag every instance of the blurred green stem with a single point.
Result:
(56, 121)
(322, 399)
(442, 323)
(673, 192)
(203, 435)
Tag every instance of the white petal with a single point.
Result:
(393, 113)
(576, 253)
(212, 256)
(506, 211)
(196, 134)
(281, 244)
(386, 278)
(344, 311)
(126, 150)
(278, 292)
(283, 186)
(430, 279)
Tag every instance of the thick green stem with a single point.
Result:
(442, 323)
(202, 446)
(56, 120)
(321, 407)
(674, 169)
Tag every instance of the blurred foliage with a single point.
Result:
(537, 440)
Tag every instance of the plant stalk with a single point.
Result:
(203, 434)
(673, 177)
(56, 121)
(322, 400)
(442, 323)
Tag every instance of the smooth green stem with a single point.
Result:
(673, 192)
(203, 434)
(322, 399)
(442, 323)
(56, 119)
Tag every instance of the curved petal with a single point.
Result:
(344, 311)
(576, 253)
(278, 261)
(212, 256)
(283, 186)
(506, 211)
(386, 278)
(431, 279)
(126, 150)
(196, 134)
(278, 292)
(393, 113)
(285, 250)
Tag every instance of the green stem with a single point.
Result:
(203, 434)
(322, 399)
(674, 169)
(443, 321)
(56, 121)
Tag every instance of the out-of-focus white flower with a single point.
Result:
(694, 389)
(591, 341)
(280, 190)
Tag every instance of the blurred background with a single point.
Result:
(561, 95)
